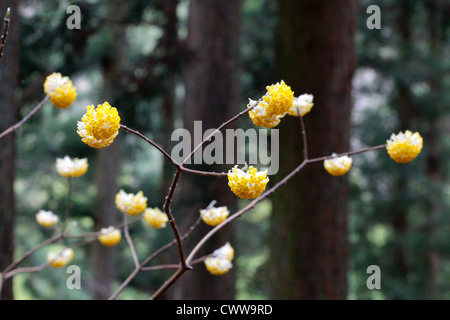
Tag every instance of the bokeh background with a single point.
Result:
(166, 63)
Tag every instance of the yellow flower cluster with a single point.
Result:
(219, 262)
(301, 105)
(155, 218)
(60, 89)
(70, 168)
(273, 106)
(213, 216)
(338, 166)
(59, 260)
(404, 147)
(109, 237)
(130, 203)
(46, 219)
(247, 185)
(100, 126)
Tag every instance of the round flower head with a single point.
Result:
(220, 260)
(260, 117)
(217, 266)
(100, 126)
(274, 105)
(224, 252)
(301, 105)
(60, 259)
(69, 168)
(60, 89)
(130, 203)
(109, 237)
(338, 166)
(214, 216)
(247, 185)
(155, 218)
(46, 219)
(404, 147)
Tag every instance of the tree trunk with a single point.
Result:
(9, 71)
(434, 168)
(170, 45)
(108, 160)
(212, 95)
(316, 55)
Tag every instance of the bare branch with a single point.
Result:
(204, 173)
(305, 140)
(26, 269)
(130, 242)
(25, 119)
(149, 258)
(174, 226)
(6, 21)
(349, 153)
(140, 135)
(162, 266)
(240, 114)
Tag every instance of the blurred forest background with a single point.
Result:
(166, 63)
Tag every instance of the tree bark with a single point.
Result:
(170, 45)
(315, 54)
(434, 168)
(9, 71)
(108, 160)
(211, 97)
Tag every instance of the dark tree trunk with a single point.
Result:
(170, 45)
(433, 139)
(9, 70)
(316, 55)
(108, 160)
(212, 94)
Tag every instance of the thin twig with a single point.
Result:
(165, 154)
(26, 269)
(67, 213)
(240, 114)
(31, 251)
(172, 222)
(5, 31)
(69, 201)
(44, 265)
(97, 233)
(204, 173)
(160, 267)
(150, 257)
(174, 266)
(201, 259)
(82, 243)
(167, 284)
(130, 242)
(25, 119)
(305, 140)
(140, 135)
(349, 153)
